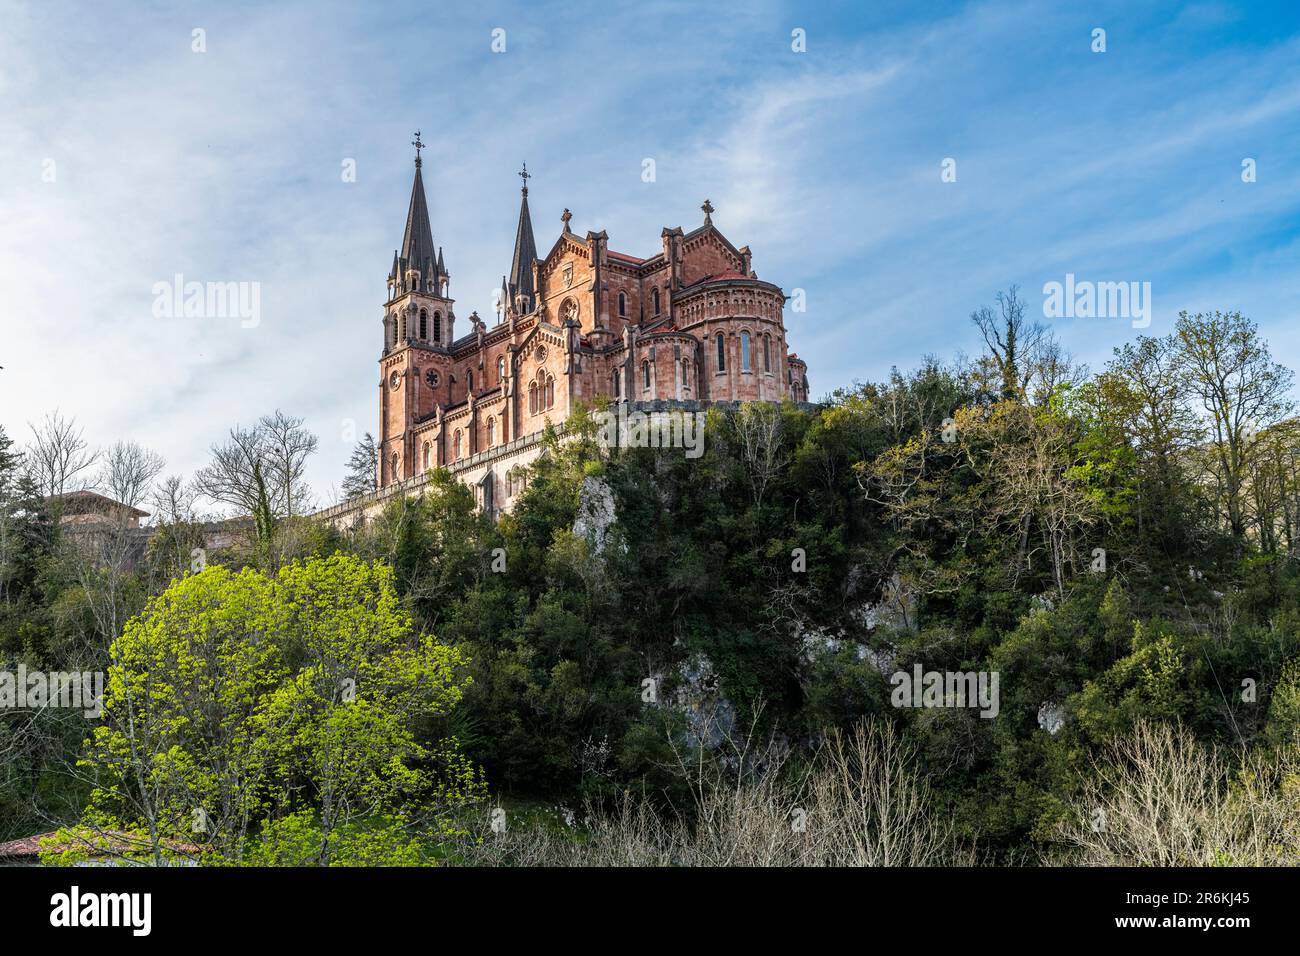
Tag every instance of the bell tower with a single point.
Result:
(418, 327)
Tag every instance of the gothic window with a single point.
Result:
(655, 296)
(455, 446)
(767, 353)
(550, 392)
(532, 398)
(744, 351)
(424, 325)
(501, 370)
(469, 381)
(393, 473)
(618, 382)
(427, 464)
(622, 304)
(686, 373)
(645, 374)
(722, 353)
(492, 432)
(437, 326)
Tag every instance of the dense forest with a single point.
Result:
(709, 671)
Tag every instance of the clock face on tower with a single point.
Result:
(432, 378)
(395, 380)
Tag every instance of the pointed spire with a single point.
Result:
(417, 241)
(417, 251)
(521, 266)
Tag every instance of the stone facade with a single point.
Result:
(691, 323)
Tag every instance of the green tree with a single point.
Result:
(247, 711)
(1241, 391)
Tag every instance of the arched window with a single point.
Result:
(618, 382)
(501, 370)
(655, 297)
(455, 446)
(427, 456)
(437, 326)
(492, 432)
(622, 303)
(645, 374)
(532, 398)
(744, 351)
(550, 391)
(767, 353)
(686, 373)
(424, 325)
(469, 381)
(722, 354)
(393, 473)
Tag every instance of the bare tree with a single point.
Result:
(288, 446)
(862, 801)
(238, 476)
(1159, 797)
(1012, 341)
(176, 525)
(1050, 367)
(105, 552)
(59, 457)
(128, 472)
(259, 471)
(173, 500)
(758, 429)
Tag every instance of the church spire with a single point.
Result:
(417, 251)
(521, 266)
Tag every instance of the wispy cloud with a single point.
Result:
(225, 166)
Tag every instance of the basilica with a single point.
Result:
(689, 325)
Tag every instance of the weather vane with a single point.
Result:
(418, 146)
(525, 175)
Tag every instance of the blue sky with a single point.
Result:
(226, 166)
